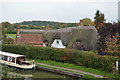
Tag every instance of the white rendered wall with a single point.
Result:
(57, 45)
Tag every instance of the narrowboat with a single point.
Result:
(16, 60)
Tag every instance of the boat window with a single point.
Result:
(0, 56)
(5, 58)
(9, 59)
(13, 60)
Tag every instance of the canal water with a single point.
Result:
(17, 73)
(38, 74)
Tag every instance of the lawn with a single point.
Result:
(12, 35)
(81, 68)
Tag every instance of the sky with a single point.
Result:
(56, 10)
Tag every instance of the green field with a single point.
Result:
(12, 35)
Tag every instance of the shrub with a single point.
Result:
(109, 40)
(83, 58)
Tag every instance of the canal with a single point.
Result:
(17, 73)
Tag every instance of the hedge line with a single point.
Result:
(11, 32)
(83, 58)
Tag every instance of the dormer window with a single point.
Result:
(57, 42)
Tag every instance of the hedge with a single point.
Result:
(14, 32)
(83, 58)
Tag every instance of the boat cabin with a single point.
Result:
(14, 58)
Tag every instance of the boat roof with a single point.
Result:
(10, 54)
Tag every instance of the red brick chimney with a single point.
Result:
(18, 31)
(81, 23)
(17, 34)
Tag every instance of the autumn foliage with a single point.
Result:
(109, 39)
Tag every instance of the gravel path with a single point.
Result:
(95, 75)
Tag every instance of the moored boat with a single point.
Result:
(16, 60)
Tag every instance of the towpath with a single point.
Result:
(95, 75)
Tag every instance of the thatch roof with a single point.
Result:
(87, 35)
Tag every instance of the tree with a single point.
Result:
(113, 46)
(48, 27)
(87, 22)
(99, 20)
(108, 42)
(10, 29)
(2, 32)
(8, 41)
(9, 26)
(5, 24)
(62, 25)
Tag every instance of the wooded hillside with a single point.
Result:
(49, 23)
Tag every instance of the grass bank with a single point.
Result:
(76, 67)
(85, 75)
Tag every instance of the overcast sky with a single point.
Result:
(56, 10)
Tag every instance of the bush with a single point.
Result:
(8, 41)
(109, 40)
(83, 58)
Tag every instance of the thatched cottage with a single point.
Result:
(85, 37)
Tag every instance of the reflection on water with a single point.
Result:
(15, 73)
(39, 74)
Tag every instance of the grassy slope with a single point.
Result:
(85, 75)
(12, 35)
(75, 67)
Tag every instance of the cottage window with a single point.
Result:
(57, 42)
